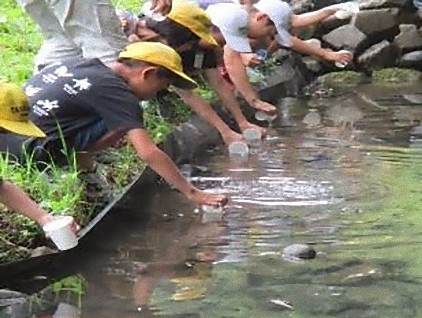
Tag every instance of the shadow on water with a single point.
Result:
(342, 174)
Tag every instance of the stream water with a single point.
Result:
(342, 174)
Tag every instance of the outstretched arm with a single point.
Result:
(237, 71)
(205, 111)
(303, 47)
(161, 163)
(311, 18)
(16, 199)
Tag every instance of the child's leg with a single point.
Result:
(228, 99)
(56, 46)
(93, 25)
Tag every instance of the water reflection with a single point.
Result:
(343, 174)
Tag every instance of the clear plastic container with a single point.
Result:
(211, 213)
(262, 116)
(239, 148)
(252, 135)
(212, 209)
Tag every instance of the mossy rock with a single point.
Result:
(397, 75)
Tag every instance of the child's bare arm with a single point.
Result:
(17, 200)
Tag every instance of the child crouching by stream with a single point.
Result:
(14, 119)
(187, 29)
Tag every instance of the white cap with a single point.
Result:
(232, 20)
(280, 13)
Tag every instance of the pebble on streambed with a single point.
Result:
(298, 252)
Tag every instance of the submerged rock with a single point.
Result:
(299, 252)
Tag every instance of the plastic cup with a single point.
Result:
(342, 65)
(238, 148)
(252, 135)
(212, 209)
(262, 116)
(348, 10)
(263, 54)
(61, 233)
(211, 213)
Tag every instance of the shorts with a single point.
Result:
(50, 150)
(198, 59)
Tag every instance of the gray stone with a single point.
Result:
(330, 24)
(376, 21)
(13, 304)
(347, 36)
(383, 54)
(412, 60)
(9, 294)
(299, 251)
(410, 38)
(301, 6)
(312, 64)
(42, 250)
(373, 4)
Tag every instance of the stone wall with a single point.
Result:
(385, 33)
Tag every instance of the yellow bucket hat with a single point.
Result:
(192, 17)
(162, 55)
(14, 111)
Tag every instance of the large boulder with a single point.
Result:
(330, 24)
(373, 22)
(347, 36)
(409, 39)
(372, 4)
(383, 54)
(412, 60)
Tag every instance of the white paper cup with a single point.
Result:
(238, 148)
(61, 233)
(252, 135)
(342, 65)
(348, 10)
(262, 116)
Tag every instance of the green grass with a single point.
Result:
(19, 42)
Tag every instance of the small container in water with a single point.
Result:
(211, 213)
(342, 65)
(262, 116)
(238, 148)
(212, 209)
(252, 135)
